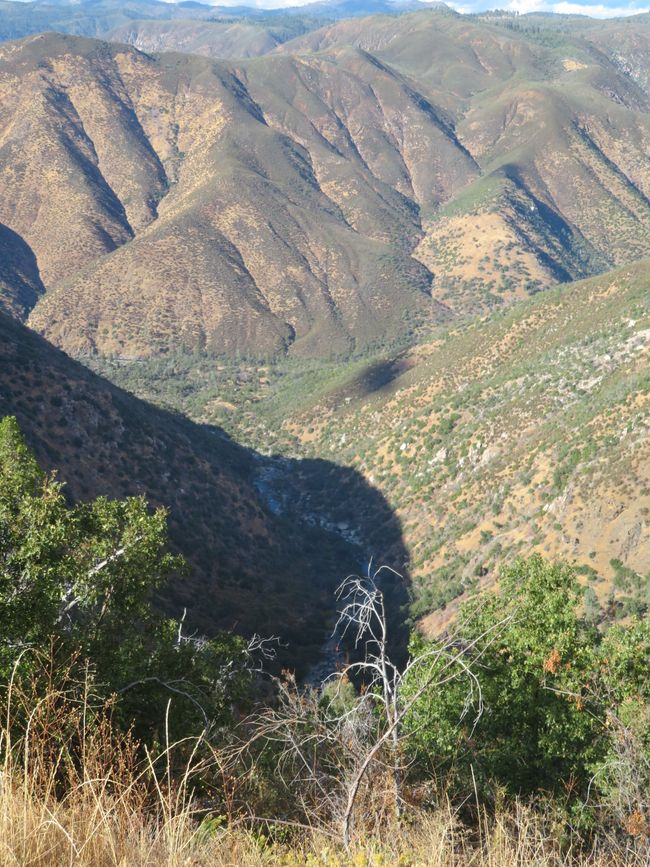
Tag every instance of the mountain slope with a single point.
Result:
(526, 431)
(151, 25)
(346, 191)
(246, 251)
(253, 566)
(559, 128)
(228, 31)
(225, 39)
(90, 17)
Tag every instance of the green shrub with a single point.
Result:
(545, 683)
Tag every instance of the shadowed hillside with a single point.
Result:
(524, 431)
(261, 559)
(20, 281)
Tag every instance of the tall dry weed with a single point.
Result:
(75, 790)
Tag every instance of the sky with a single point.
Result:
(594, 10)
(607, 9)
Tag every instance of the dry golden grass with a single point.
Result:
(92, 828)
(109, 813)
(74, 790)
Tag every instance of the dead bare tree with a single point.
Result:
(326, 746)
(441, 662)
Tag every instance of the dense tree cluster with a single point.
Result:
(564, 706)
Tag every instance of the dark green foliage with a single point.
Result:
(548, 687)
(447, 424)
(84, 575)
(634, 588)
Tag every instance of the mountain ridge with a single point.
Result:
(346, 190)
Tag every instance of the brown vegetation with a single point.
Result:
(276, 205)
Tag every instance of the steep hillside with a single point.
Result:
(236, 248)
(526, 431)
(152, 25)
(256, 563)
(625, 41)
(559, 127)
(345, 192)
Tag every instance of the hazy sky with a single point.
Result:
(596, 10)
(607, 9)
(599, 10)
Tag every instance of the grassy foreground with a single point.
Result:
(71, 795)
(93, 828)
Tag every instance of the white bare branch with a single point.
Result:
(326, 742)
